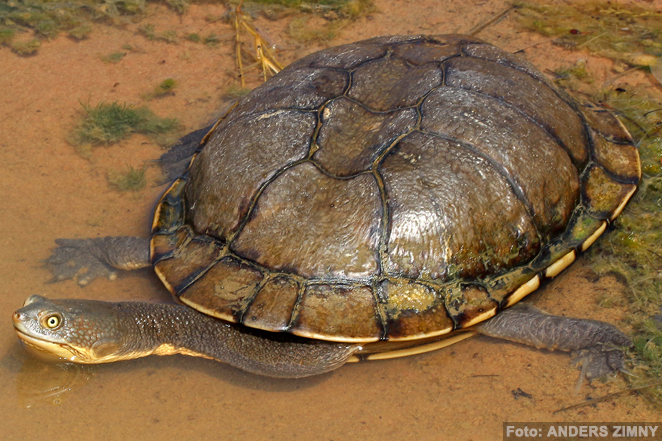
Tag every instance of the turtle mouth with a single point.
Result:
(61, 352)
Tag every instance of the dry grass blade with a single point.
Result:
(606, 397)
(626, 33)
(480, 27)
(262, 56)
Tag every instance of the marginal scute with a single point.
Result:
(352, 137)
(413, 310)
(606, 124)
(388, 84)
(555, 268)
(315, 226)
(336, 312)
(272, 307)
(469, 304)
(593, 237)
(522, 291)
(516, 88)
(504, 286)
(169, 214)
(581, 227)
(190, 259)
(604, 195)
(406, 295)
(622, 160)
(163, 246)
(225, 290)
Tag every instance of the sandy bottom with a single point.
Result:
(464, 392)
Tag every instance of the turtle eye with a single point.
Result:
(52, 321)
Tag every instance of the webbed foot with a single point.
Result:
(86, 259)
(598, 361)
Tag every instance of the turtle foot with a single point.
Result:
(86, 259)
(76, 259)
(598, 361)
(175, 161)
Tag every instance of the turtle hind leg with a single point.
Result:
(86, 259)
(596, 346)
(176, 160)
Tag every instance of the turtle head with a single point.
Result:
(79, 331)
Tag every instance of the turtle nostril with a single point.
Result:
(17, 317)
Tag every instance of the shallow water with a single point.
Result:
(463, 392)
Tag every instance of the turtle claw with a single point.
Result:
(77, 259)
(599, 361)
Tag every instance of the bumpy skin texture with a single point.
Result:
(85, 259)
(396, 188)
(596, 345)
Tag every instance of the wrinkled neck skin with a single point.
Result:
(161, 329)
(164, 329)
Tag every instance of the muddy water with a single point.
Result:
(463, 392)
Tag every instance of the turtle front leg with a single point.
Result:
(86, 259)
(175, 161)
(596, 346)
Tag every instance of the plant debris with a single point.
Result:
(132, 179)
(621, 32)
(114, 57)
(261, 54)
(107, 123)
(164, 88)
(149, 32)
(634, 250)
(47, 18)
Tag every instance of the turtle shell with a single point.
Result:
(397, 188)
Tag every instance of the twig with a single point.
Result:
(590, 41)
(651, 263)
(649, 112)
(620, 75)
(534, 45)
(651, 251)
(606, 397)
(491, 21)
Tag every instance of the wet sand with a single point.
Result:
(463, 392)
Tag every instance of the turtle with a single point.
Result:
(372, 200)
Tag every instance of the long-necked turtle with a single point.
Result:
(395, 189)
